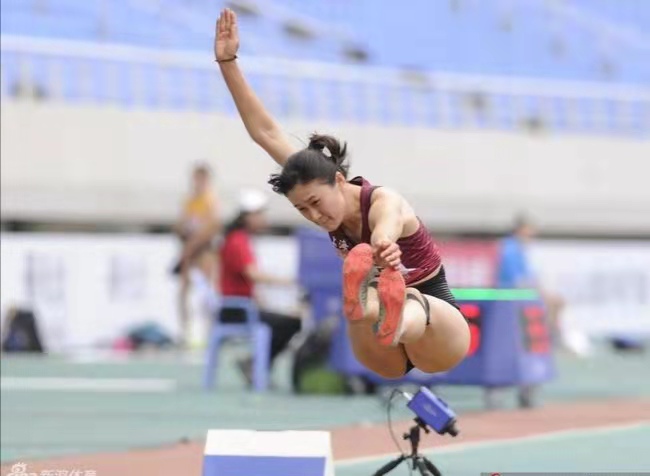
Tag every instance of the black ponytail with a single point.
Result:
(332, 150)
(321, 160)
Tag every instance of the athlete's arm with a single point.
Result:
(260, 125)
(386, 220)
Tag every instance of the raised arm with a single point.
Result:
(260, 125)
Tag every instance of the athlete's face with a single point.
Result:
(320, 203)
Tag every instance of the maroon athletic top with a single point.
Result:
(420, 254)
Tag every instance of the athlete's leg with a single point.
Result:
(434, 333)
(435, 346)
(361, 308)
(206, 262)
(439, 345)
(386, 328)
(389, 362)
(183, 304)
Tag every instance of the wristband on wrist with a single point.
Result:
(226, 60)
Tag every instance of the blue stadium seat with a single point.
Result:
(459, 36)
(472, 37)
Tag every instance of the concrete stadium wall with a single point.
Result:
(103, 163)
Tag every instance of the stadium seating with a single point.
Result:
(584, 40)
(488, 37)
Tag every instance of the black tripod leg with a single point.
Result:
(431, 467)
(391, 465)
(421, 467)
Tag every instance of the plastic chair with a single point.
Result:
(253, 329)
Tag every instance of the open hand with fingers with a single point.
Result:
(226, 38)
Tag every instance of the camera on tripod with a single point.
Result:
(431, 412)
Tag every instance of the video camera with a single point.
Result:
(433, 411)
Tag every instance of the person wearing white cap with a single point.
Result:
(252, 200)
(239, 273)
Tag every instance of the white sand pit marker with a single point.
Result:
(271, 453)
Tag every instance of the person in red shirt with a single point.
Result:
(239, 274)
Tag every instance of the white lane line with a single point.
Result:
(126, 385)
(492, 442)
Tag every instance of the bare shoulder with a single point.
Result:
(383, 198)
(388, 195)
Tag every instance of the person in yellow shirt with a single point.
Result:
(197, 228)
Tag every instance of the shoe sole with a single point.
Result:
(357, 274)
(392, 295)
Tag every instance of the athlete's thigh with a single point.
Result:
(389, 362)
(445, 341)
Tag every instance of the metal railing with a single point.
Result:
(59, 70)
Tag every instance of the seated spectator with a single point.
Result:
(239, 275)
